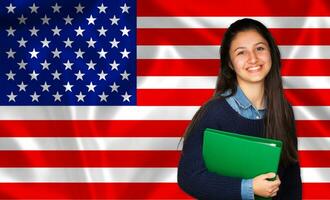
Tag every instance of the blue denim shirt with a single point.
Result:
(241, 104)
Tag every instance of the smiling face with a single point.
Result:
(250, 57)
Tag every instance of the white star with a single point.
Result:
(114, 43)
(11, 97)
(34, 31)
(126, 97)
(102, 53)
(35, 97)
(79, 75)
(103, 97)
(45, 43)
(80, 97)
(34, 53)
(11, 53)
(79, 8)
(34, 75)
(45, 20)
(68, 65)
(22, 64)
(68, 87)
(91, 87)
(10, 8)
(34, 8)
(79, 53)
(68, 43)
(22, 42)
(114, 65)
(56, 75)
(79, 31)
(56, 53)
(56, 8)
(124, 8)
(125, 31)
(102, 8)
(68, 20)
(22, 19)
(57, 97)
(102, 75)
(45, 65)
(11, 75)
(124, 75)
(125, 53)
(114, 20)
(45, 87)
(91, 20)
(114, 87)
(22, 87)
(91, 43)
(102, 31)
(11, 31)
(56, 31)
(91, 65)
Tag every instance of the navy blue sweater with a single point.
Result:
(193, 176)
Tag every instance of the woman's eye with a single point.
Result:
(240, 53)
(260, 48)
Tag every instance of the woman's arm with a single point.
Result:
(193, 177)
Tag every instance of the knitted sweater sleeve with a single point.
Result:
(193, 177)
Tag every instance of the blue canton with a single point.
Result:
(68, 52)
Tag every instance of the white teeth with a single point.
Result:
(254, 68)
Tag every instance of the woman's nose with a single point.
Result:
(253, 57)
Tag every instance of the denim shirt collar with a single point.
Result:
(242, 100)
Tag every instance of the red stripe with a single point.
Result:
(308, 97)
(203, 36)
(89, 158)
(122, 158)
(305, 128)
(313, 191)
(196, 97)
(120, 191)
(171, 97)
(233, 8)
(91, 191)
(314, 158)
(81, 128)
(313, 128)
(186, 67)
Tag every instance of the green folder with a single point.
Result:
(242, 156)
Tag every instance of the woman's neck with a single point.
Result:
(255, 93)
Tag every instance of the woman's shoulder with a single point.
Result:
(215, 104)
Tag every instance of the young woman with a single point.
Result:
(248, 100)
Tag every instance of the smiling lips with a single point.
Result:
(254, 69)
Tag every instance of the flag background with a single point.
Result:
(131, 152)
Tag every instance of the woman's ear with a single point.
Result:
(231, 66)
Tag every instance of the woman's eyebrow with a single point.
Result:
(239, 48)
(259, 43)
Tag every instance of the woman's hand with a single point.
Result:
(264, 188)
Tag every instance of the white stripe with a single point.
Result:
(212, 52)
(97, 112)
(314, 143)
(315, 175)
(311, 112)
(130, 112)
(224, 22)
(90, 143)
(209, 82)
(121, 175)
(124, 143)
(91, 175)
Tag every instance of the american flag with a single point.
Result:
(95, 95)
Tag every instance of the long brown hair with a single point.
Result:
(279, 118)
